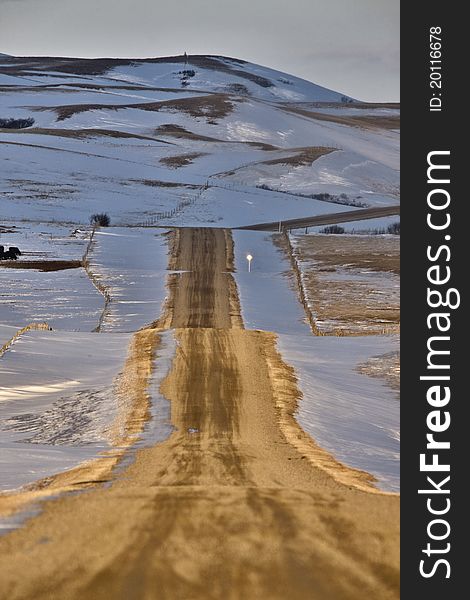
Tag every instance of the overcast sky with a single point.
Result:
(350, 46)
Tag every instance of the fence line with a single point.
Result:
(31, 327)
(167, 214)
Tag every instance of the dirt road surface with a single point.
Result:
(228, 506)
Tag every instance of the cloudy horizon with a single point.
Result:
(348, 47)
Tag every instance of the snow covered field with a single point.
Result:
(217, 143)
(267, 295)
(131, 266)
(354, 416)
(66, 299)
(56, 401)
(45, 241)
(108, 139)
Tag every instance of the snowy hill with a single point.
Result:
(197, 140)
(204, 142)
(208, 73)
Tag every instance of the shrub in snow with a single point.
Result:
(394, 228)
(101, 219)
(333, 229)
(324, 196)
(16, 123)
(238, 88)
(188, 73)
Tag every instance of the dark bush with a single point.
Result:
(16, 123)
(394, 228)
(101, 219)
(324, 196)
(187, 73)
(333, 229)
(238, 88)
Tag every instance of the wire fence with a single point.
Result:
(181, 204)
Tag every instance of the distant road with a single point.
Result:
(328, 219)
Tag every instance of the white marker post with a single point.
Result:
(249, 258)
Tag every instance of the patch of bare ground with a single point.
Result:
(358, 105)
(166, 184)
(182, 160)
(366, 121)
(375, 253)
(213, 106)
(349, 284)
(261, 146)
(379, 121)
(83, 133)
(70, 87)
(41, 265)
(302, 156)
(78, 66)
(179, 132)
(39, 190)
(210, 106)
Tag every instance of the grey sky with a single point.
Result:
(347, 45)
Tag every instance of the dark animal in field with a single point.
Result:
(11, 254)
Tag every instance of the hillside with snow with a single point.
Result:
(204, 140)
(172, 150)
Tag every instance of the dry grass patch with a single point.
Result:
(182, 160)
(211, 106)
(358, 105)
(366, 121)
(179, 132)
(379, 121)
(375, 253)
(83, 133)
(41, 265)
(302, 156)
(350, 283)
(166, 184)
